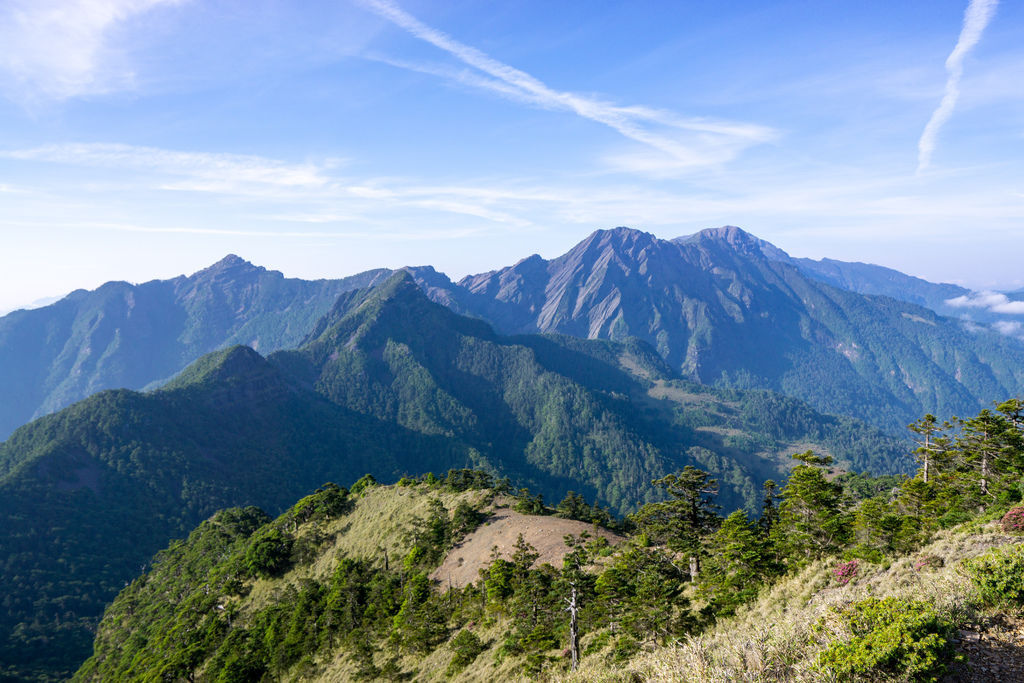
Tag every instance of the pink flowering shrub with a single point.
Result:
(928, 562)
(1013, 521)
(845, 571)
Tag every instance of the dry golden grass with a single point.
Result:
(374, 529)
(774, 639)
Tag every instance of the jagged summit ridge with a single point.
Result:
(723, 306)
(230, 265)
(736, 238)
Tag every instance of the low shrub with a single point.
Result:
(999, 576)
(365, 483)
(891, 637)
(269, 552)
(928, 562)
(845, 572)
(467, 646)
(625, 647)
(1013, 521)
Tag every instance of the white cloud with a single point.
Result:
(1010, 329)
(331, 235)
(995, 302)
(60, 48)
(322, 192)
(1010, 307)
(681, 142)
(977, 300)
(976, 18)
(260, 178)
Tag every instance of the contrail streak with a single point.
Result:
(976, 18)
(630, 121)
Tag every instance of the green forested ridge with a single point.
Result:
(94, 490)
(391, 384)
(319, 609)
(723, 308)
(124, 335)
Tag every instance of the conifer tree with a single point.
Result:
(932, 443)
(812, 522)
(574, 506)
(737, 564)
(683, 521)
(769, 508)
(983, 449)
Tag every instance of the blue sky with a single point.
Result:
(148, 138)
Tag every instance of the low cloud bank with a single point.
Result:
(994, 302)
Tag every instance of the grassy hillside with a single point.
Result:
(216, 594)
(825, 586)
(782, 635)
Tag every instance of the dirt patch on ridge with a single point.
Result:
(463, 564)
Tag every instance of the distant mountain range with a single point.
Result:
(728, 309)
(721, 306)
(388, 383)
(124, 335)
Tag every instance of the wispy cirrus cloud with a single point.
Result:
(269, 234)
(59, 48)
(976, 18)
(325, 192)
(261, 178)
(196, 171)
(679, 142)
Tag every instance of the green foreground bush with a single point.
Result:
(999, 576)
(892, 638)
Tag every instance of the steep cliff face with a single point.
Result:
(723, 306)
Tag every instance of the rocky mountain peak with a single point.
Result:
(736, 239)
(230, 265)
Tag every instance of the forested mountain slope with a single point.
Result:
(128, 336)
(87, 494)
(866, 278)
(725, 308)
(842, 578)
(389, 383)
(863, 278)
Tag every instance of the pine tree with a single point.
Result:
(983, 447)
(932, 443)
(737, 564)
(577, 585)
(683, 521)
(812, 522)
(769, 508)
(574, 506)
